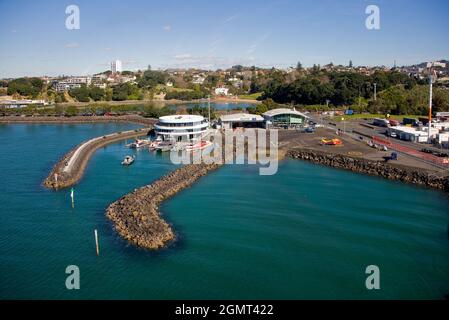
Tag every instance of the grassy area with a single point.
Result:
(372, 116)
(253, 96)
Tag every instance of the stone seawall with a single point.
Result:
(374, 168)
(136, 216)
(66, 178)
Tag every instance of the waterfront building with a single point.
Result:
(285, 117)
(241, 120)
(116, 66)
(181, 127)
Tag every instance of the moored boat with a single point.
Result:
(129, 160)
(139, 144)
(201, 145)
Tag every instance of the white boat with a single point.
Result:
(164, 146)
(129, 160)
(139, 144)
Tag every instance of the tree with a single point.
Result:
(25, 87)
(71, 111)
(350, 63)
(81, 94)
(96, 93)
(298, 66)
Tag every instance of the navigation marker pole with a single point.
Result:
(72, 195)
(96, 242)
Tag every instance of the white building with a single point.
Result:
(198, 79)
(116, 66)
(283, 117)
(72, 83)
(241, 120)
(222, 91)
(181, 127)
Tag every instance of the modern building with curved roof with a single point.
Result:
(285, 117)
(241, 120)
(181, 127)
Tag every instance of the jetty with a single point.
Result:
(136, 216)
(69, 170)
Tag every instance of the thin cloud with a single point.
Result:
(233, 17)
(183, 56)
(252, 48)
(167, 28)
(72, 45)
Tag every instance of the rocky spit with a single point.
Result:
(136, 216)
(67, 179)
(374, 168)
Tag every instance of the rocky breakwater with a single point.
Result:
(376, 168)
(136, 216)
(69, 170)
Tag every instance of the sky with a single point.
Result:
(34, 40)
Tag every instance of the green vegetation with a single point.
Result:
(398, 100)
(202, 111)
(195, 94)
(252, 96)
(266, 105)
(25, 87)
(340, 88)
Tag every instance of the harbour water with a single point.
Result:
(307, 232)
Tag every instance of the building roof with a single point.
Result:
(181, 118)
(279, 111)
(241, 117)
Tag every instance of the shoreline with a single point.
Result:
(132, 212)
(70, 168)
(158, 102)
(77, 119)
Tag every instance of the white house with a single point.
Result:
(222, 91)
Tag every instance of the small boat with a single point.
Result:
(164, 146)
(198, 146)
(139, 144)
(129, 160)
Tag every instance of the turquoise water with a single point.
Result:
(306, 232)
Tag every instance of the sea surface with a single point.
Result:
(306, 232)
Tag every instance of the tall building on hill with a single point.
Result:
(116, 66)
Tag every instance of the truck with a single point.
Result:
(410, 122)
(380, 122)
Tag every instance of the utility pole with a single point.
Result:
(208, 106)
(430, 103)
(375, 91)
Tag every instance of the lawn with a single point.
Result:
(253, 96)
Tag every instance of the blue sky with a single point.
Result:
(216, 34)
